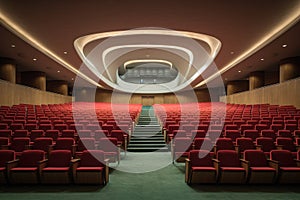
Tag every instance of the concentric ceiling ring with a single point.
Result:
(113, 45)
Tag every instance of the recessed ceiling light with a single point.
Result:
(34, 59)
(58, 71)
(13, 46)
(232, 52)
(72, 79)
(284, 45)
(239, 71)
(262, 59)
(65, 52)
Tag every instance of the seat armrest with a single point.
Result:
(297, 162)
(215, 149)
(106, 161)
(274, 164)
(279, 147)
(245, 164)
(187, 170)
(73, 161)
(106, 171)
(237, 148)
(74, 164)
(12, 164)
(50, 148)
(173, 152)
(217, 166)
(73, 150)
(41, 165)
(258, 147)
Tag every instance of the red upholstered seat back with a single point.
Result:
(245, 143)
(182, 144)
(6, 155)
(59, 158)
(108, 144)
(228, 158)
(198, 143)
(30, 158)
(42, 143)
(267, 144)
(86, 143)
(224, 144)
(200, 158)
(5, 133)
(4, 141)
(19, 144)
(64, 143)
(287, 143)
(256, 158)
(92, 158)
(119, 134)
(284, 157)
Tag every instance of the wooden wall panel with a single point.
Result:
(13, 94)
(286, 93)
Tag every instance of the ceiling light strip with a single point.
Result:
(21, 33)
(275, 33)
(147, 61)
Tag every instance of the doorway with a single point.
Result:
(147, 100)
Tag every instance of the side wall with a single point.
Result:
(170, 98)
(13, 94)
(286, 93)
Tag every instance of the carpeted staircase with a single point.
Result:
(147, 136)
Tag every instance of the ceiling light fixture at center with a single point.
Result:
(147, 61)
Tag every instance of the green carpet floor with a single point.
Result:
(166, 183)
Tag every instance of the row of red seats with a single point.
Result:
(255, 168)
(109, 145)
(181, 146)
(59, 168)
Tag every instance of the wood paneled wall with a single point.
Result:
(13, 94)
(202, 95)
(286, 93)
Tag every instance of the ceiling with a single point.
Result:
(248, 30)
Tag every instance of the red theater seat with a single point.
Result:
(110, 148)
(288, 169)
(85, 144)
(43, 143)
(26, 169)
(5, 156)
(266, 144)
(56, 170)
(19, 144)
(259, 169)
(230, 167)
(288, 144)
(54, 134)
(91, 168)
(20, 133)
(244, 144)
(65, 144)
(253, 134)
(223, 144)
(199, 168)
(121, 136)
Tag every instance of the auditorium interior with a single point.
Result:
(149, 100)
